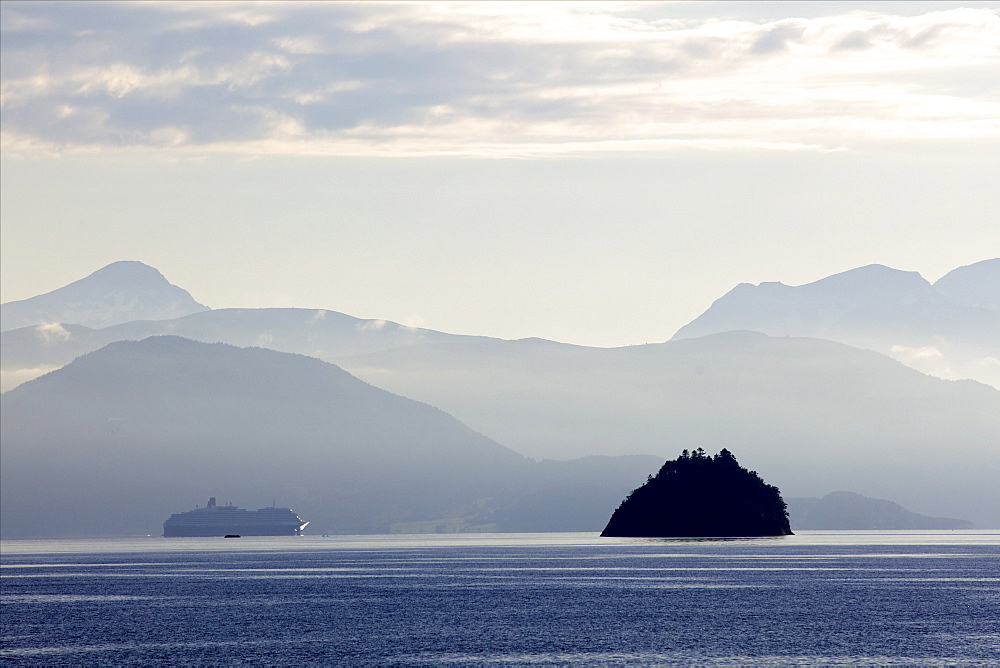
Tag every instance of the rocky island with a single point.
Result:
(700, 495)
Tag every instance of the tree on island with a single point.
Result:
(700, 495)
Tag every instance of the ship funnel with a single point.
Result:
(211, 502)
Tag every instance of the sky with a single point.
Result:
(593, 173)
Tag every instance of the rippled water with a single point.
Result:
(835, 597)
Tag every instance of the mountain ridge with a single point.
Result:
(976, 285)
(966, 350)
(840, 510)
(950, 329)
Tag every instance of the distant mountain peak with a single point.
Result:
(872, 277)
(128, 270)
(950, 329)
(120, 292)
(975, 285)
(826, 306)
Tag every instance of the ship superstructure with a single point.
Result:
(228, 520)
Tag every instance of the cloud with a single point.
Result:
(50, 332)
(951, 363)
(371, 325)
(486, 79)
(985, 370)
(11, 378)
(919, 353)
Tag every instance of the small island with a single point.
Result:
(697, 495)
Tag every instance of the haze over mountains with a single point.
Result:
(121, 437)
(30, 351)
(812, 415)
(815, 415)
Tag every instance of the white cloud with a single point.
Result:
(950, 363)
(192, 15)
(169, 136)
(300, 45)
(490, 79)
(53, 331)
(371, 325)
(919, 353)
(9, 379)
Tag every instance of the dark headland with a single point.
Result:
(700, 495)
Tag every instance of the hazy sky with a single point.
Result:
(594, 173)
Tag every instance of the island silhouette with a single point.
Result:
(698, 495)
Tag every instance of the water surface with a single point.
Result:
(817, 597)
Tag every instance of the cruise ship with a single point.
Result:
(228, 520)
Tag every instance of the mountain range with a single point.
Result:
(812, 414)
(949, 329)
(116, 440)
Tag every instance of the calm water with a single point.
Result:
(819, 597)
